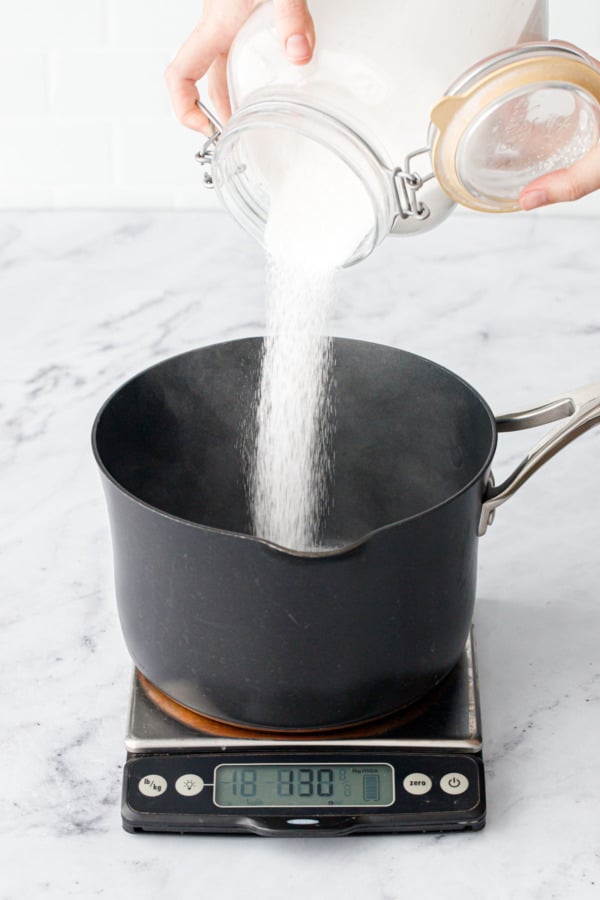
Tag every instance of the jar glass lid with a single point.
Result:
(512, 118)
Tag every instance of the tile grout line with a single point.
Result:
(111, 24)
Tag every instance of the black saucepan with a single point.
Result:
(247, 632)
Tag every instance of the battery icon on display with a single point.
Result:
(371, 787)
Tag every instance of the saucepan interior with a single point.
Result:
(409, 435)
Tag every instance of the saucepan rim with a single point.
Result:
(304, 554)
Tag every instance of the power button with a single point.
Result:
(454, 783)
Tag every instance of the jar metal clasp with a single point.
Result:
(407, 183)
(205, 155)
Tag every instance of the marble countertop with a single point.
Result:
(510, 303)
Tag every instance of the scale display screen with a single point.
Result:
(305, 784)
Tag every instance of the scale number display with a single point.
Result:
(304, 785)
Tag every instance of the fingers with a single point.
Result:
(564, 185)
(190, 64)
(295, 29)
(209, 41)
(217, 88)
(207, 47)
(184, 94)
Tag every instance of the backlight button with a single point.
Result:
(189, 785)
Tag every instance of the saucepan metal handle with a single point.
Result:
(580, 408)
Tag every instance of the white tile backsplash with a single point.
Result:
(157, 152)
(151, 24)
(53, 152)
(23, 83)
(85, 119)
(53, 24)
(109, 84)
(20, 196)
(87, 196)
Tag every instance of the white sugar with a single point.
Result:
(319, 214)
(294, 417)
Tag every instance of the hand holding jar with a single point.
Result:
(207, 48)
(579, 180)
(484, 139)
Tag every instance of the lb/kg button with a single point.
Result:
(152, 785)
(454, 783)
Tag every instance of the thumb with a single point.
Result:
(295, 29)
(565, 184)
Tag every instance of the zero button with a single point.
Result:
(417, 783)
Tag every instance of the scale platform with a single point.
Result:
(418, 771)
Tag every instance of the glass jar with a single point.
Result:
(395, 95)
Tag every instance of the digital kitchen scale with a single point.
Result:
(420, 770)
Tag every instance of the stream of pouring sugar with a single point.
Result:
(314, 225)
(293, 461)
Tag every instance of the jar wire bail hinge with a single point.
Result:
(406, 184)
(205, 155)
